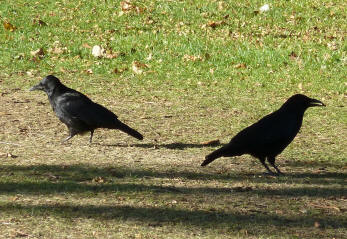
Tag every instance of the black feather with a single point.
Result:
(78, 112)
(269, 136)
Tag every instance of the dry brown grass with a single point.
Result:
(121, 187)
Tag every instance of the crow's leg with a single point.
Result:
(262, 160)
(91, 136)
(72, 134)
(272, 162)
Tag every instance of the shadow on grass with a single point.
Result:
(180, 146)
(81, 172)
(48, 179)
(158, 216)
(46, 187)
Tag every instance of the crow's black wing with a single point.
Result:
(76, 107)
(268, 136)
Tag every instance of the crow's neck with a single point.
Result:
(294, 110)
(54, 93)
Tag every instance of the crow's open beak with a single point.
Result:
(315, 102)
(36, 87)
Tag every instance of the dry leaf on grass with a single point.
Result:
(214, 24)
(99, 180)
(264, 8)
(128, 6)
(293, 55)
(138, 67)
(110, 55)
(97, 51)
(20, 234)
(89, 71)
(38, 53)
(8, 26)
(9, 155)
(57, 48)
(39, 22)
(240, 65)
(187, 57)
(85, 45)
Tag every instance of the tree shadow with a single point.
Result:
(50, 179)
(161, 216)
(46, 187)
(78, 172)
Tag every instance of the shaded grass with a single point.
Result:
(202, 83)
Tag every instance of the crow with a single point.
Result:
(78, 112)
(269, 136)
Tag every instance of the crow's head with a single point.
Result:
(47, 84)
(303, 102)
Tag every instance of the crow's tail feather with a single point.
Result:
(126, 129)
(214, 155)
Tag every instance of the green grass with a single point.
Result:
(213, 67)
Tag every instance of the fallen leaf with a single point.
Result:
(120, 70)
(38, 53)
(127, 6)
(221, 5)
(57, 48)
(317, 224)
(9, 155)
(15, 198)
(39, 22)
(187, 57)
(264, 8)
(85, 45)
(89, 71)
(20, 56)
(31, 73)
(326, 207)
(97, 51)
(300, 86)
(149, 57)
(111, 55)
(211, 142)
(138, 67)
(21, 234)
(293, 55)
(116, 71)
(9, 26)
(99, 180)
(213, 24)
(240, 65)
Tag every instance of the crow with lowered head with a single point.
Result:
(78, 112)
(269, 136)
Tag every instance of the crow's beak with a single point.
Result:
(36, 87)
(315, 102)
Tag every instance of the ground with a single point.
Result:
(118, 186)
(184, 74)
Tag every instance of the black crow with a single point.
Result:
(78, 112)
(269, 136)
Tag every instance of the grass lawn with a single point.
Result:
(182, 73)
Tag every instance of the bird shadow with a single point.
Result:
(177, 145)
